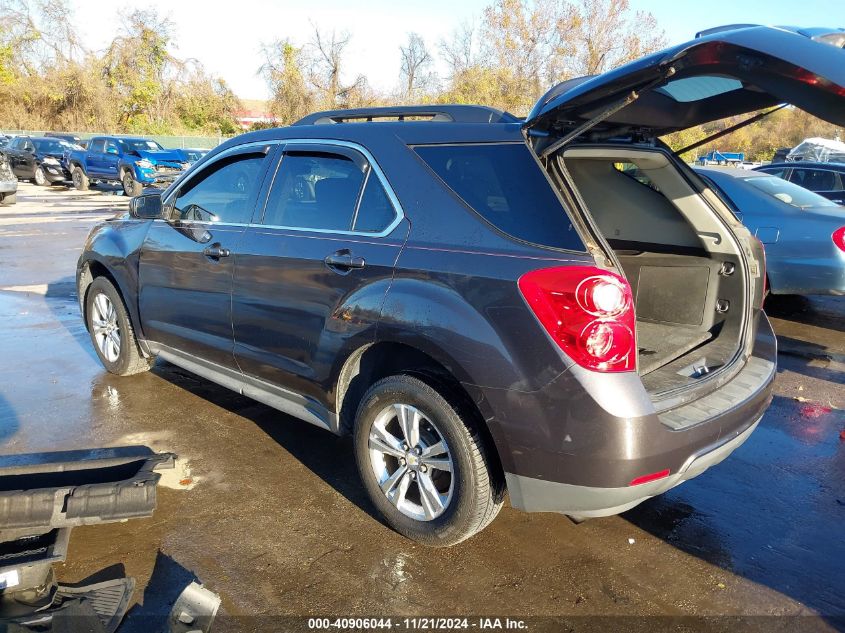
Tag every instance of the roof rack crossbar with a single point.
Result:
(440, 113)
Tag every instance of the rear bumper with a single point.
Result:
(576, 445)
(822, 275)
(536, 495)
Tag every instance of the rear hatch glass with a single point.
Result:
(503, 184)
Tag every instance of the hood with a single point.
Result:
(156, 156)
(723, 72)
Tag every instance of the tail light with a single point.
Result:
(839, 238)
(588, 312)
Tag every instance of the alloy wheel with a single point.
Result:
(40, 179)
(411, 461)
(106, 327)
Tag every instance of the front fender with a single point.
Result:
(115, 246)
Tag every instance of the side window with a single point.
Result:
(314, 190)
(819, 180)
(774, 172)
(112, 146)
(97, 146)
(375, 212)
(224, 191)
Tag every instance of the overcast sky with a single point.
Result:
(226, 36)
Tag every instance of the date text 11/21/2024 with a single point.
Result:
(418, 624)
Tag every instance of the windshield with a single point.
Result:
(138, 144)
(789, 193)
(51, 147)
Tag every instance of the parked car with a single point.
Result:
(131, 162)
(70, 138)
(8, 182)
(38, 159)
(484, 302)
(825, 179)
(803, 232)
(193, 154)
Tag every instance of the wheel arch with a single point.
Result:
(90, 269)
(371, 362)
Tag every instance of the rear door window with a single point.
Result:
(503, 184)
(314, 190)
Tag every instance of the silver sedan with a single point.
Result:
(803, 233)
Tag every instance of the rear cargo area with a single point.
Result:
(685, 273)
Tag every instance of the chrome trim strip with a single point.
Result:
(397, 207)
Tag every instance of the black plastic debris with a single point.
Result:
(43, 496)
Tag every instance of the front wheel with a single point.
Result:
(424, 467)
(39, 178)
(111, 330)
(80, 180)
(131, 187)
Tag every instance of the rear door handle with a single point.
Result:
(344, 261)
(215, 251)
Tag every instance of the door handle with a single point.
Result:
(344, 261)
(215, 251)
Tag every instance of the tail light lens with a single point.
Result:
(839, 238)
(588, 312)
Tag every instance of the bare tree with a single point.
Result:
(458, 52)
(327, 51)
(415, 69)
(609, 35)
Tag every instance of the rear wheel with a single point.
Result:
(111, 330)
(80, 180)
(39, 178)
(424, 468)
(131, 187)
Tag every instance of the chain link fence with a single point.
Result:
(169, 142)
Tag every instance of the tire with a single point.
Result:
(39, 178)
(111, 330)
(469, 491)
(131, 187)
(9, 199)
(80, 180)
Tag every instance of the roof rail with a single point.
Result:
(449, 113)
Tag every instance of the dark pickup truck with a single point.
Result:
(132, 162)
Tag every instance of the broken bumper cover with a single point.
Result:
(71, 488)
(536, 495)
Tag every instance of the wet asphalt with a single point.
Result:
(267, 511)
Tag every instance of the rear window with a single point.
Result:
(504, 185)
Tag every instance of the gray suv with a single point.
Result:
(556, 307)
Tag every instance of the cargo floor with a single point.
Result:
(660, 344)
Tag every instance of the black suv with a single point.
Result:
(38, 159)
(557, 307)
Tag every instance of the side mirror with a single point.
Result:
(111, 150)
(146, 207)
